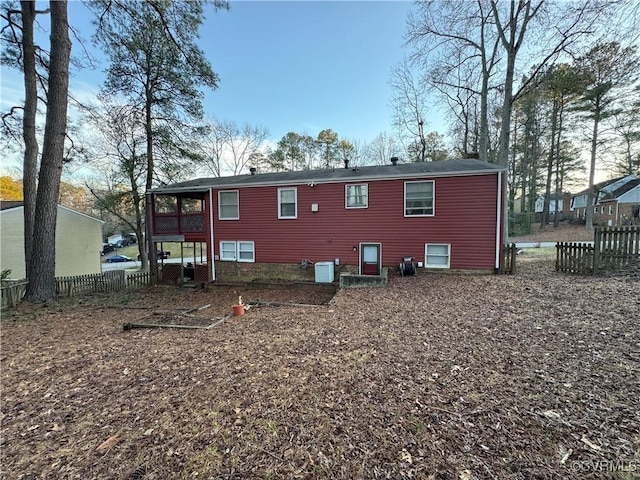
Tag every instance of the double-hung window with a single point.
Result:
(357, 196)
(287, 203)
(437, 255)
(246, 252)
(228, 251)
(419, 198)
(240, 251)
(228, 205)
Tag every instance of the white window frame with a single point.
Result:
(234, 245)
(222, 250)
(595, 209)
(426, 255)
(610, 210)
(237, 217)
(253, 251)
(295, 203)
(433, 199)
(366, 195)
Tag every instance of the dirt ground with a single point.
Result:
(439, 376)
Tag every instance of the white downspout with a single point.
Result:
(212, 260)
(499, 219)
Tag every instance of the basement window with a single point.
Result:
(246, 252)
(240, 251)
(228, 251)
(437, 255)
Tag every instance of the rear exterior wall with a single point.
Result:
(465, 218)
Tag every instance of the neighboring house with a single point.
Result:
(616, 202)
(619, 203)
(78, 241)
(446, 215)
(563, 201)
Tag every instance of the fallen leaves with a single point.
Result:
(109, 443)
(435, 376)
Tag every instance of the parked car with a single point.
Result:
(122, 243)
(160, 254)
(118, 259)
(106, 248)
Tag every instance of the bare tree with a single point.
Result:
(409, 104)
(461, 31)
(230, 147)
(381, 149)
(118, 145)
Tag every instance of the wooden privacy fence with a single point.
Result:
(574, 258)
(613, 248)
(509, 253)
(111, 281)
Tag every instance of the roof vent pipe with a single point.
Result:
(253, 170)
(346, 163)
(394, 161)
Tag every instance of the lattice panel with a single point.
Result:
(169, 273)
(192, 223)
(166, 224)
(201, 274)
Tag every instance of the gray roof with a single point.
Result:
(467, 166)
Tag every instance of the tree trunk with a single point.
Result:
(30, 162)
(151, 249)
(592, 166)
(42, 285)
(544, 221)
(556, 218)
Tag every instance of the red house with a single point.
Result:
(446, 215)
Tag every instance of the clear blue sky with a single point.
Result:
(299, 66)
(306, 66)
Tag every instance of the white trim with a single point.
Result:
(237, 204)
(360, 245)
(427, 245)
(346, 196)
(433, 199)
(253, 251)
(498, 221)
(235, 251)
(295, 200)
(211, 254)
(21, 207)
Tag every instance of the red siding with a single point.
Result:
(465, 217)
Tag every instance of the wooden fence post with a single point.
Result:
(596, 250)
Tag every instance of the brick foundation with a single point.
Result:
(248, 272)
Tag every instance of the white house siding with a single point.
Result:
(78, 243)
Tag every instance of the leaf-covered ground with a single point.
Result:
(439, 376)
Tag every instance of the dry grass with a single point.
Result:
(565, 232)
(436, 377)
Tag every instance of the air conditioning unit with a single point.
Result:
(324, 272)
